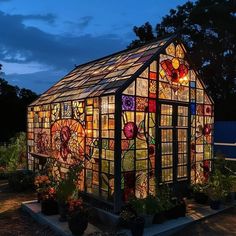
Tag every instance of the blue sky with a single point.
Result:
(42, 40)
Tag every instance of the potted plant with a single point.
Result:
(178, 208)
(159, 216)
(199, 192)
(127, 214)
(218, 188)
(150, 208)
(144, 209)
(66, 188)
(137, 226)
(49, 204)
(77, 216)
(42, 183)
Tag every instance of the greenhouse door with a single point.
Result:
(174, 144)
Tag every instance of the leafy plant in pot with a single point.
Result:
(66, 189)
(218, 188)
(178, 209)
(199, 192)
(127, 215)
(137, 226)
(77, 216)
(142, 207)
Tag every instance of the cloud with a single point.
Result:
(38, 81)
(84, 21)
(49, 18)
(22, 44)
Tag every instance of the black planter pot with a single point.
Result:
(159, 218)
(49, 207)
(181, 209)
(200, 198)
(176, 212)
(215, 205)
(170, 214)
(78, 223)
(63, 209)
(137, 226)
(39, 197)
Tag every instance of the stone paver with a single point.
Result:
(223, 224)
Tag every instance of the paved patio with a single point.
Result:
(195, 213)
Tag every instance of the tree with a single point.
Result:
(207, 28)
(13, 106)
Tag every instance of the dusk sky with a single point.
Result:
(42, 40)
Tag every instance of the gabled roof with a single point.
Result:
(102, 76)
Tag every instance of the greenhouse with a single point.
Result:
(135, 119)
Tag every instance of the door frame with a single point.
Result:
(176, 184)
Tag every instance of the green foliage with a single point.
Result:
(164, 196)
(154, 204)
(199, 187)
(14, 156)
(219, 186)
(21, 180)
(66, 187)
(207, 27)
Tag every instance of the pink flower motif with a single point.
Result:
(207, 129)
(130, 130)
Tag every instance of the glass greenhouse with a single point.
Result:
(136, 119)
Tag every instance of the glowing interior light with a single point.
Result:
(110, 68)
(184, 79)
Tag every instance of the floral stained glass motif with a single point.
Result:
(68, 141)
(141, 103)
(42, 140)
(128, 103)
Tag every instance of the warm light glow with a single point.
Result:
(184, 79)
(175, 63)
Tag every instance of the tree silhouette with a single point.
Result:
(207, 28)
(13, 106)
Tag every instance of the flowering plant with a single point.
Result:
(42, 183)
(75, 205)
(49, 193)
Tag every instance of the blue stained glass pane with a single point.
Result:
(192, 84)
(193, 108)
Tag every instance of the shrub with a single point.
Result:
(21, 180)
(13, 155)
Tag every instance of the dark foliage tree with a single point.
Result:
(208, 29)
(13, 106)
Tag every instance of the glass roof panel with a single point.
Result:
(103, 76)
